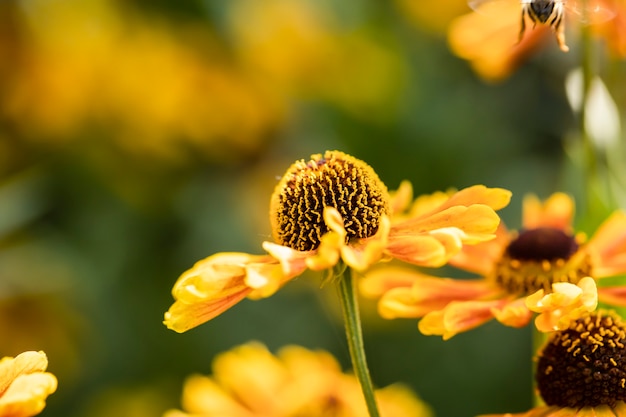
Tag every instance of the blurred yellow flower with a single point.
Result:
(299, 49)
(249, 381)
(581, 370)
(334, 208)
(24, 384)
(158, 88)
(544, 268)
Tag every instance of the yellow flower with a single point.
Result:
(249, 381)
(331, 208)
(544, 268)
(581, 370)
(24, 384)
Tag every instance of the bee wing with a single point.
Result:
(591, 12)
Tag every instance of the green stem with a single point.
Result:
(587, 78)
(354, 335)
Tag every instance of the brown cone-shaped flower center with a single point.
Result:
(334, 179)
(585, 365)
(539, 257)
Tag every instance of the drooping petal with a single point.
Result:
(482, 257)
(220, 281)
(183, 316)
(459, 316)
(608, 245)
(615, 296)
(513, 314)
(366, 252)
(566, 303)
(408, 293)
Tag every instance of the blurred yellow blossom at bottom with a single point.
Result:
(250, 381)
(24, 384)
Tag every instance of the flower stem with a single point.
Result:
(352, 321)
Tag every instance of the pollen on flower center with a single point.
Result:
(334, 179)
(538, 258)
(585, 365)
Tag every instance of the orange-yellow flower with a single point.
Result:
(489, 39)
(24, 384)
(334, 209)
(249, 381)
(581, 370)
(543, 268)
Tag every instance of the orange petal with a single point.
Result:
(380, 280)
(481, 258)
(478, 221)
(364, 253)
(496, 198)
(513, 314)
(184, 316)
(556, 212)
(459, 317)
(427, 294)
(615, 296)
(608, 245)
(421, 250)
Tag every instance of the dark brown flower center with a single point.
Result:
(539, 257)
(334, 179)
(543, 243)
(585, 365)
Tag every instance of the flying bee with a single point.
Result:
(552, 13)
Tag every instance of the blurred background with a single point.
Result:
(139, 136)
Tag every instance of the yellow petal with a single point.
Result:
(26, 396)
(566, 303)
(24, 363)
(184, 316)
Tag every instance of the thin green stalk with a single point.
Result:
(586, 64)
(352, 321)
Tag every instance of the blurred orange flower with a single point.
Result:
(488, 39)
(249, 381)
(24, 384)
(329, 211)
(544, 268)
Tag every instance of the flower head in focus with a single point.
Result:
(24, 384)
(330, 210)
(250, 381)
(544, 268)
(581, 370)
